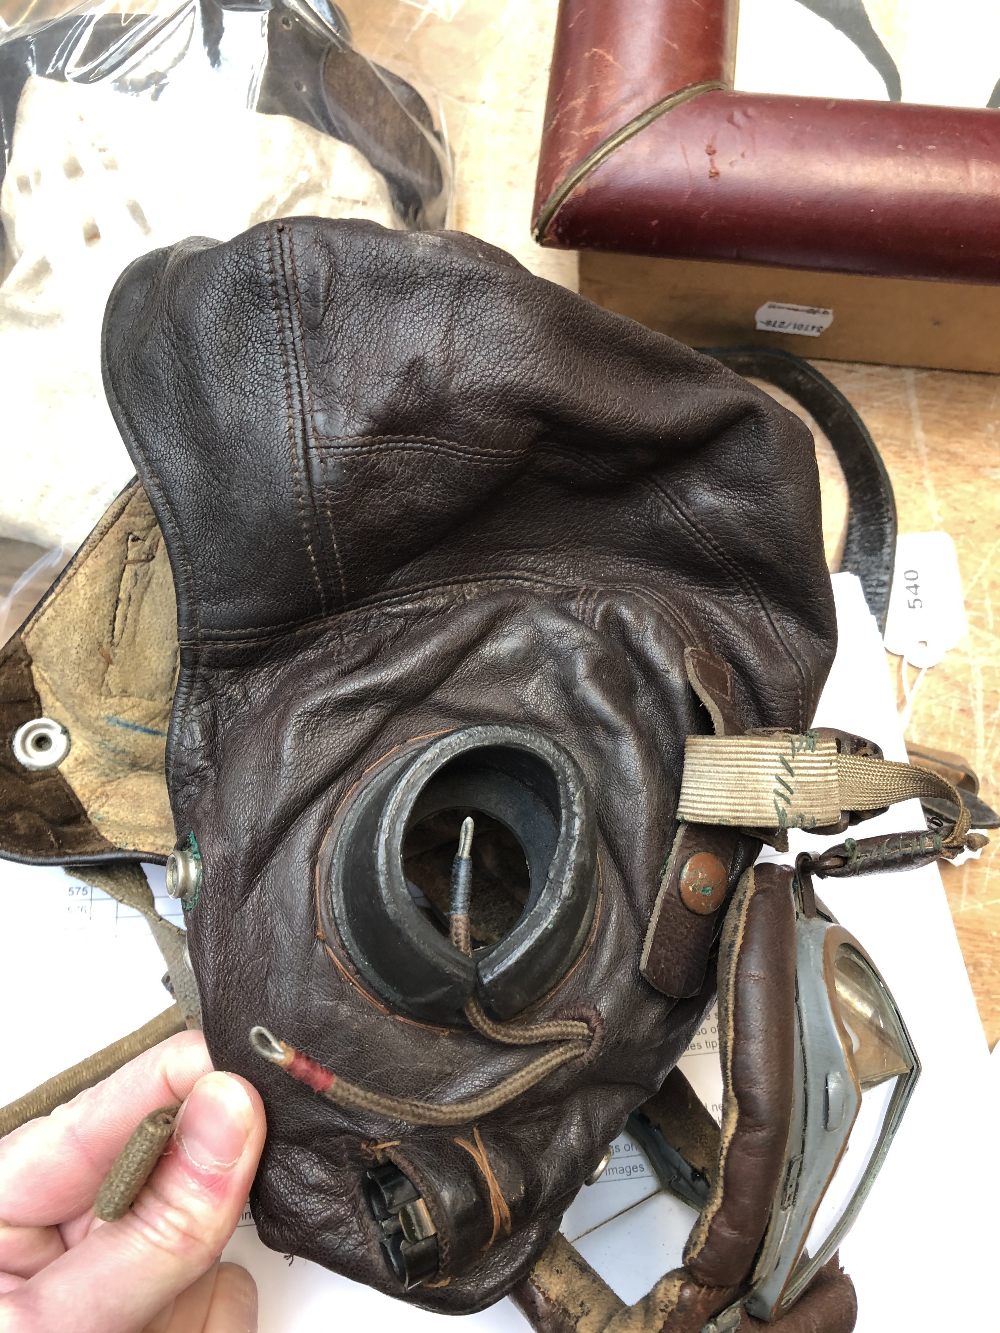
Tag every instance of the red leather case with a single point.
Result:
(648, 150)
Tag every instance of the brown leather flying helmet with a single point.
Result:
(460, 561)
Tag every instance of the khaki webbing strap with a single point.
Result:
(872, 784)
(782, 781)
(128, 885)
(776, 781)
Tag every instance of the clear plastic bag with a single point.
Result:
(277, 57)
(25, 576)
(121, 132)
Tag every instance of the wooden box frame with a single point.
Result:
(648, 151)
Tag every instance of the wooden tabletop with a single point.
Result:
(938, 435)
(937, 431)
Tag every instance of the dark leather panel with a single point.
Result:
(895, 190)
(407, 487)
(870, 540)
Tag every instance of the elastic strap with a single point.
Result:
(135, 1163)
(65, 1086)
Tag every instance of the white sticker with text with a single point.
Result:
(808, 321)
(926, 606)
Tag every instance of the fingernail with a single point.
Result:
(215, 1122)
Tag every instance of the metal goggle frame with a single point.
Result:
(850, 1040)
(817, 1070)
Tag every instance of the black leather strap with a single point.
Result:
(870, 544)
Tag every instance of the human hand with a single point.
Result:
(156, 1268)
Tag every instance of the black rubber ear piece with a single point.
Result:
(406, 1233)
(523, 781)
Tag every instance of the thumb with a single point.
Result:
(125, 1271)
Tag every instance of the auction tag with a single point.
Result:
(808, 321)
(926, 608)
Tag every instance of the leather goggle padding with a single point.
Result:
(756, 1049)
(98, 655)
(564, 1295)
(756, 1035)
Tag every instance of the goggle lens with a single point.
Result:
(882, 1070)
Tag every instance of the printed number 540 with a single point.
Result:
(912, 584)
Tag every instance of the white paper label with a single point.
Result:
(926, 608)
(808, 321)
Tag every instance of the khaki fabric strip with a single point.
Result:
(785, 781)
(127, 884)
(870, 784)
(776, 781)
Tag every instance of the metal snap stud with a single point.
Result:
(40, 743)
(703, 883)
(183, 872)
(600, 1168)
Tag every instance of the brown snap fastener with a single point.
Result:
(703, 883)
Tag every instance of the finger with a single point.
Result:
(74, 1231)
(52, 1168)
(223, 1301)
(117, 1279)
(234, 1302)
(188, 1312)
(24, 1251)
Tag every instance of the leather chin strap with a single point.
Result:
(870, 542)
(742, 1161)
